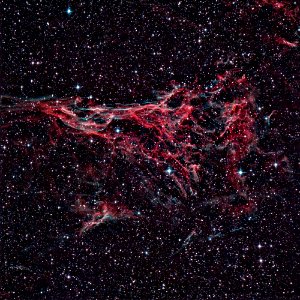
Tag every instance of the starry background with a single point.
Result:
(122, 52)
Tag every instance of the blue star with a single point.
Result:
(69, 11)
(169, 171)
(240, 172)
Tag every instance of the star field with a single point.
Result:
(149, 150)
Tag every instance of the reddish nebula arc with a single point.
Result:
(169, 145)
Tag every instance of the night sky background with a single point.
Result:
(131, 210)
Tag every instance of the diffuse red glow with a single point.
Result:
(239, 134)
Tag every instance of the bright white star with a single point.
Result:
(69, 11)
(169, 171)
(240, 172)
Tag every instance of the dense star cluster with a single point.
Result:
(149, 150)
